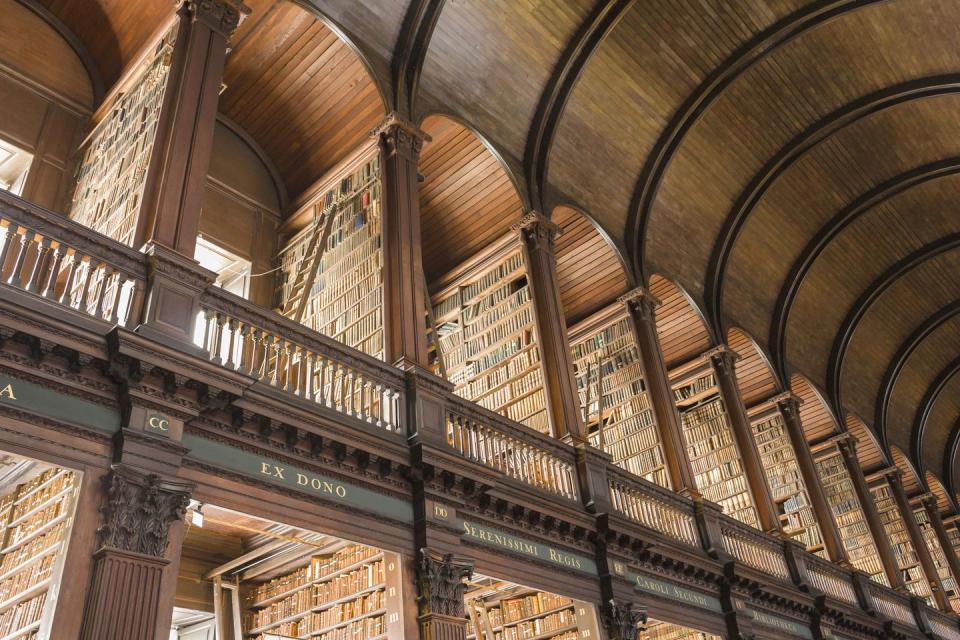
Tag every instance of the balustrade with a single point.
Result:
(653, 507)
(754, 549)
(47, 255)
(287, 356)
(944, 626)
(830, 579)
(892, 605)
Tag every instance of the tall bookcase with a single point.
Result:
(517, 613)
(790, 495)
(717, 468)
(113, 169)
(613, 394)
(666, 631)
(938, 557)
(36, 519)
(896, 529)
(331, 271)
(848, 513)
(486, 335)
(351, 593)
(954, 535)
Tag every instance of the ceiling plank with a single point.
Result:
(926, 406)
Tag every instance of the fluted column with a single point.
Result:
(404, 297)
(789, 406)
(641, 305)
(895, 479)
(933, 512)
(563, 404)
(723, 361)
(848, 450)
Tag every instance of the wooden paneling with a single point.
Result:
(466, 199)
(299, 90)
(755, 378)
(680, 327)
(944, 504)
(589, 273)
(869, 453)
(33, 49)
(113, 31)
(817, 419)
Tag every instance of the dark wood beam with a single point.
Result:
(926, 407)
(899, 361)
(698, 102)
(870, 295)
(789, 155)
(828, 232)
(601, 20)
(410, 52)
(949, 456)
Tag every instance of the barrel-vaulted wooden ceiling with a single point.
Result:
(792, 167)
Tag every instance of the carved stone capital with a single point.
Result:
(399, 135)
(788, 403)
(139, 510)
(537, 230)
(222, 16)
(442, 583)
(622, 621)
(641, 300)
(893, 476)
(723, 358)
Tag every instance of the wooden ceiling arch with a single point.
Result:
(818, 419)
(945, 502)
(681, 327)
(869, 452)
(951, 458)
(756, 379)
(947, 378)
(913, 483)
(788, 155)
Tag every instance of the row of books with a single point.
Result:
(539, 626)
(23, 614)
(513, 609)
(936, 552)
(319, 568)
(494, 307)
(317, 617)
(900, 543)
(522, 361)
(700, 385)
(664, 631)
(42, 544)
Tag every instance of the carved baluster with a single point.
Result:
(106, 275)
(244, 352)
(8, 233)
(254, 347)
(216, 351)
(53, 270)
(71, 269)
(208, 316)
(230, 333)
(322, 384)
(298, 357)
(43, 247)
(88, 274)
(308, 388)
(119, 284)
(273, 344)
(364, 410)
(16, 275)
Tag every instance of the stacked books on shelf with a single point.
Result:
(786, 484)
(848, 514)
(340, 596)
(337, 262)
(714, 458)
(666, 631)
(537, 615)
(486, 338)
(896, 529)
(614, 398)
(938, 557)
(110, 177)
(36, 522)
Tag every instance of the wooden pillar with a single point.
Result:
(790, 410)
(723, 361)
(895, 480)
(848, 450)
(441, 586)
(405, 314)
(933, 512)
(563, 404)
(641, 305)
(177, 175)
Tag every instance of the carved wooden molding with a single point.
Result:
(442, 583)
(139, 510)
(398, 134)
(223, 16)
(623, 621)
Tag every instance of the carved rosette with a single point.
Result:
(400, 136)
(622, 621)
(442, 583)
(223, 16)
(138, 512)
(538, 231)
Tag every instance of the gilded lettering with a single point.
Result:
(7, 392)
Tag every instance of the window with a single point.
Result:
(14, 165)
(233, 275)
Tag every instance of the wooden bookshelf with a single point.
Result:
(896, 530)
(789, 493)
(112, 172)
(848, 514)
(36, 522)
(665, 631)
(938, 557)
(526, 614)
(714, 458)
(339, 595)
(613, 394)
(486, 336)
(331, 271)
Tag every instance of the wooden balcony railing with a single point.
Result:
(286, 355)
(48, 255)
(513, 449)
(830, 579)
(892, 605)
(754, 548)
(944, 626)
(652, 506)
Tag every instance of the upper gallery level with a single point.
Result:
(704, 287)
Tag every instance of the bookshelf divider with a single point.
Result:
(895, 528)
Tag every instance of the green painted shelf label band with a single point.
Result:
(29, 396)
